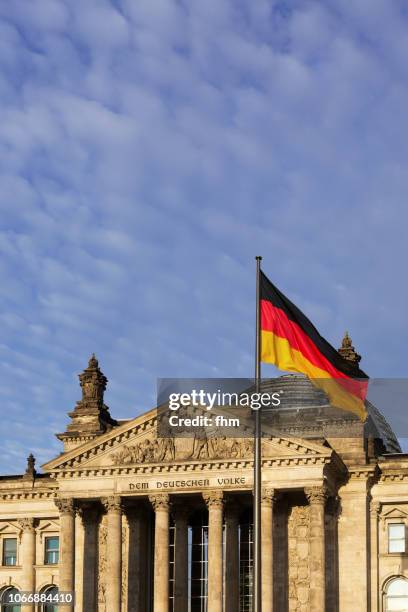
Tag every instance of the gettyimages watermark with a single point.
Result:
(289, 405)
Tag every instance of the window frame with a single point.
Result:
(389, 539)
(42, 607)
(386, 596)
(3, 551)
(47, 537)
(4, 606)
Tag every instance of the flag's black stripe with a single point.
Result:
(279, 300)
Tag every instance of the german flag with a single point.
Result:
(291, 342)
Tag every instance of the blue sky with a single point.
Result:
(149, 150)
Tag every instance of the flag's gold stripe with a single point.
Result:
(278, 351)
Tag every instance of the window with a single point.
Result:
(52, 550)
(5, 598)
(10, 551)
(396, 596)
(172, 566)
(50, 607)
(396, 538)
(246, 563)
(198, 562)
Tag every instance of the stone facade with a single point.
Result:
(121, 500)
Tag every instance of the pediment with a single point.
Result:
(136, 443)
(395, 513)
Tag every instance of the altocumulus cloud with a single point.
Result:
(149, 150)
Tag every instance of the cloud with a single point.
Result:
(149, 150)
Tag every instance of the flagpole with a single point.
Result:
(257, 575)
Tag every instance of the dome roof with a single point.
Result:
(306, 412)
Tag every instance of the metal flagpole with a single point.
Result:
(257, 575)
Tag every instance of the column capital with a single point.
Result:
(375, 508)
(27, 524)
(161, 501)
(214, 499)
(316, 495)
(113, 503)
(65, 505)
(268, 496)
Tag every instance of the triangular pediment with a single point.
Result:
(395, 513)
(136, 443)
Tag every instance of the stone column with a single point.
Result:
(90, 518)
(231, 558)
(374, 514)
(79, 553)
(27, 557)
(67, 546)
(113, 509)
(161, 505)
(268, 497)
(215, 502)
(181, 558)
(317, 499)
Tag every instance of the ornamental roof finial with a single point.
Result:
(30, 469)
(347, 350)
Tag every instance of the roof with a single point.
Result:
(306, 411)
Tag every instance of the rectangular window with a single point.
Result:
(396, 538)
(52, 550)
(10, 551)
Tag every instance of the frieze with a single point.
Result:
(147, 451)
(162, 450)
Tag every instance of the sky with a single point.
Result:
(149, 150)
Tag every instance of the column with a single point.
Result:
(232, 557)
(214, 501)
(317, 499)
(79, 553)
(332, 588)
(267, 500)
(181, 558)
(374, 514)
(90, 518)
(27, 556)
(113, 509)
(161, 505)
(67, 543)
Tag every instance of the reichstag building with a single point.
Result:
(137, 523)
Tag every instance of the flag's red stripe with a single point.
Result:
(275, 320)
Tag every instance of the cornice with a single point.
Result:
(393, 476)
(106, 441)
(193, 466)
(23, 495)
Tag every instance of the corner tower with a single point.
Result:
(91, 416)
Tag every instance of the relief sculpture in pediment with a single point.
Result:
(147, 451)
(179, 449)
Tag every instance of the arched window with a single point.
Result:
(49, 606)
(396, 595)
(5, 597)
